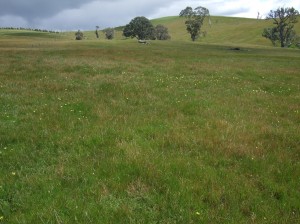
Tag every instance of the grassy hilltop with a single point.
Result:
(223, 30)
(99, 131)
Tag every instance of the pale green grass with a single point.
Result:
(223, 30)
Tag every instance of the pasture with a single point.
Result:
(99, 131)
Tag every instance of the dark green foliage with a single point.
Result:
(271, 34)
(162, 33)
(127, 31)
(193, 27)
(140, 28)
(186, 12)
(195, 19)
(78, 35)
(109, 33)
(283, 31)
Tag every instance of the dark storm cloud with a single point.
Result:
(69, 14)
(31, 9)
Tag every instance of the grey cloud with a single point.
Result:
(13, 21)
(69, 14)
(102, 13)
(86, 14)
(31, 9)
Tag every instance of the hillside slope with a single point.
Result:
(224, 30)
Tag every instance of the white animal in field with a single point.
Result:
(144, 42)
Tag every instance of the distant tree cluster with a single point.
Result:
(142, 29)
(29, 29)
(79, 35)
(109, 33)
(283, 31)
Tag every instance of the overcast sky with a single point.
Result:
(86, 14)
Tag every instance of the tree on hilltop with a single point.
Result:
(283, 32)
(186, 12)
(195, 19)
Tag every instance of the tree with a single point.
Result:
(78, 35)
(96, 32)
(161, 32)
(283, 32)
(109, 33)
(186, 12)
(195, 19)
(140, 28)
(271, 34)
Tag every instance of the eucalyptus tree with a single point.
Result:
(195, 18)
(162, 33)
(283, 30)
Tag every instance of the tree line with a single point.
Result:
(108, 32)
(29, 29)
(139, 27)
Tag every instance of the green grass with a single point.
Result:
(27, 34)
(100, 131)
(225, 30)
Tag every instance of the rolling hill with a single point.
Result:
(99, 131)
(223, 31)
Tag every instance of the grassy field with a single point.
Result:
(99, 131)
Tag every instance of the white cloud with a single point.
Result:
(237, 8)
